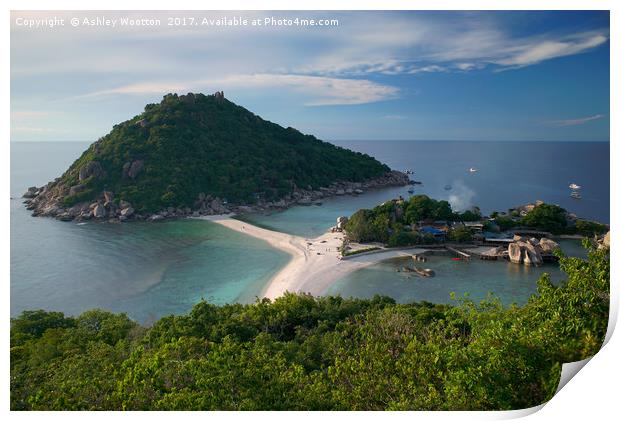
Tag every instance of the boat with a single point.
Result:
(472, 169)
(575, 195)
(447, 187)
(411, 191)
(574, 186)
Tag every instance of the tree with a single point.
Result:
(546, 217)
(471, 215)
(299, 352)
(460, 234)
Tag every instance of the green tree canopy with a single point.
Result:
(305, 353)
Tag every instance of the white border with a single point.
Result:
(590, 395)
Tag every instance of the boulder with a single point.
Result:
(65, 216)
(123, 204)
(607, 239)
(341, 221)
(532, 256)
(30, 193)
(91, 169)
(99, 211)
(108, 196)
(548, 246)
(154, 218)
(514, 252)
(217, 206)
(78, 188)
(133, 168)
(127, 212)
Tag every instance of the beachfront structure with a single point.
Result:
(435, 232)
(476, 226)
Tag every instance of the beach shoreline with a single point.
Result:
(315, 262)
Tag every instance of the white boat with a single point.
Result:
(472, 169)
(574, 186)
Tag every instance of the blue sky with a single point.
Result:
(377, 75)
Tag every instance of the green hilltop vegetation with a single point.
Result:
(392, 222)
(192, 144)
(305, 353)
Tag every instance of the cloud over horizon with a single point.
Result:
(409, 63)
(576, 121)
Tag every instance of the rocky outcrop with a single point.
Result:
(30, 193)
(530, 251)
(514, 253)
(548, 246)
(133, 168)
(341, 221)
(78, 188)
(99, 211)
(91, 169)
(604, 242)
(48, 200)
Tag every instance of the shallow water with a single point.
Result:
(150, 270)
(145, 269)
(512, 283)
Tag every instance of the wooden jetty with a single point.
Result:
(459, 252)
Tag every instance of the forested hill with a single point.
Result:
(194, 146)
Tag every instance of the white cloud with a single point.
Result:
(318, 90)
(423, 45)
(576, 121)
(535, 52)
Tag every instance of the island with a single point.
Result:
(524, 234)
(196, 154)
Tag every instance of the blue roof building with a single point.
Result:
(432, 230)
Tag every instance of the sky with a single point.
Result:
(412, 75)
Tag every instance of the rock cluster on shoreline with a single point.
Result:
(530, 251)
(48, 201)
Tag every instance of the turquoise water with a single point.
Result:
(151, 270)
(145, 269)
(512, 283)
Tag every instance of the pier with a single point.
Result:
(459, 252)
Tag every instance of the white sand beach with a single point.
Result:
(315, 262)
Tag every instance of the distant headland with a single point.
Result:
(196, 154)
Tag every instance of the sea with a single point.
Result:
(149, 270)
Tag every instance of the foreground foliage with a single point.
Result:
(307, 353)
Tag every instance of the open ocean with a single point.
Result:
(150, 270)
